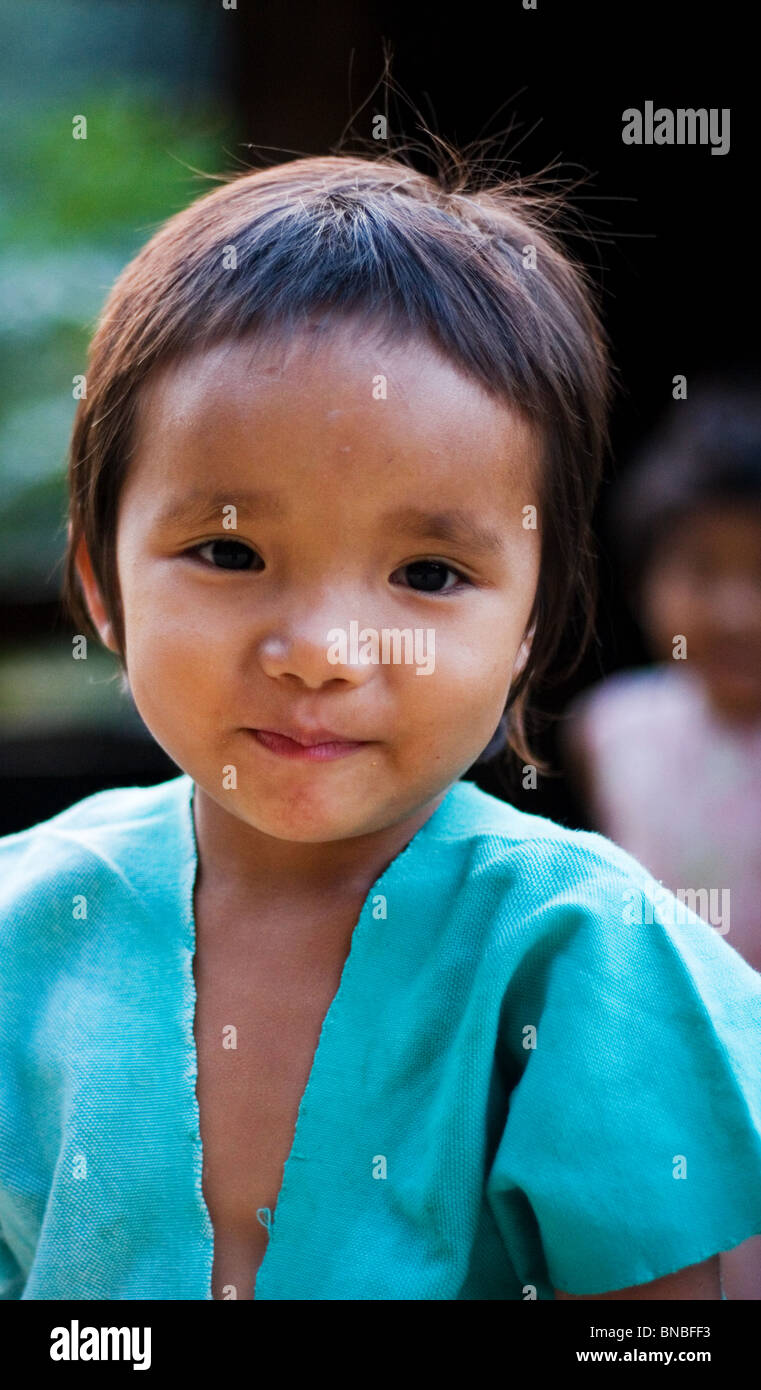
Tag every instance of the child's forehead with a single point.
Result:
(354, 394)
(350, 360)
(710, 515)
(723, 527)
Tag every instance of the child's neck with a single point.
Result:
(246, 864)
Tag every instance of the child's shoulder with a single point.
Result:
(544, 853)
(100, 834)
(657, 697)
(536, 885)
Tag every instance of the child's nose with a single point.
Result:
(316, 652)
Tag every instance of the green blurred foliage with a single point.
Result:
(117, 184)
(73, 213)
(44, 691)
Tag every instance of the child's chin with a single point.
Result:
(738, 696)
(310, 821)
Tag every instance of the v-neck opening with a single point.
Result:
(349, 968)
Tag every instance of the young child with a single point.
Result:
(668, 757)
(317, 1019)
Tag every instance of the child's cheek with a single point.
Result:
(669, 608)
(175, 667)
(469, 689)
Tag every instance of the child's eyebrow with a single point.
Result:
(456, 526)
(199, 505)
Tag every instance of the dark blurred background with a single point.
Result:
(174, 88)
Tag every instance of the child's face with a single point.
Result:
(705, 585)
(213, 653)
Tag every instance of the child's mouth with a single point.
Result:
(286, 747)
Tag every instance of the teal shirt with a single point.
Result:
(522, 1082)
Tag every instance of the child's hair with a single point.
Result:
(471, 270)
(706, 450)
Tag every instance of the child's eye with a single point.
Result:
(427, 576)
(235, 557)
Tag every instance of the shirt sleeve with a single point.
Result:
(11, 1278)
(632, 1145)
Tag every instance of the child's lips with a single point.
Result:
(310, 735)
(320, 745)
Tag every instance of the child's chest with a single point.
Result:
(259, 1012)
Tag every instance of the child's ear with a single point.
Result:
(96, 609)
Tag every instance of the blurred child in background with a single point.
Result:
(667, 758)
